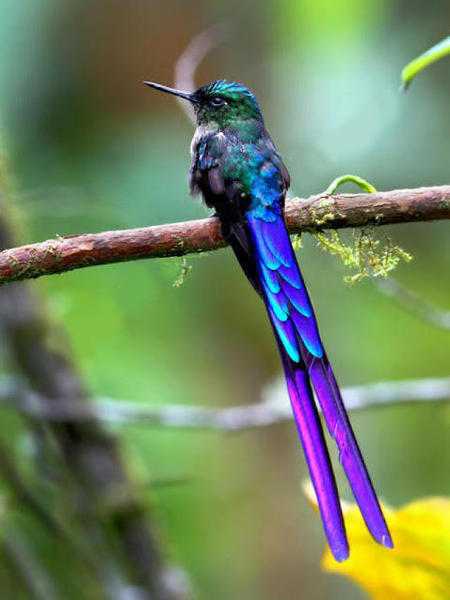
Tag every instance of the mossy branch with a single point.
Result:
(178, 239)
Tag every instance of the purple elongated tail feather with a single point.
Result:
(303, 355)
(317, 458)
(338, 424)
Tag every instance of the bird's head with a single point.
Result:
(221, 102)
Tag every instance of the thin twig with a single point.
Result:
(36, 580)
(177, 239)
(273, 408)
(190, 59)
(411, 302)
(24, 494)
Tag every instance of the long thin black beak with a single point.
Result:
(169, 90)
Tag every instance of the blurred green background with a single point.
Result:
(91, 149)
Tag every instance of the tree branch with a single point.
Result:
(177, 239)
(111, 506)
(273, 408)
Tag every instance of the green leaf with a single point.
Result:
(424, 60)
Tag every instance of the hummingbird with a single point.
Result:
(239, 172)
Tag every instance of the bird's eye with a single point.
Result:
(217, 101)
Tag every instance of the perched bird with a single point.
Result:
(239, 172)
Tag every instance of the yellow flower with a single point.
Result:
(418, 568)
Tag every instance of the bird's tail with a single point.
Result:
(271, 265)
(301, 378)
(316, 453)
(338, 424)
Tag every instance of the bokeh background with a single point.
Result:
(90, 148)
